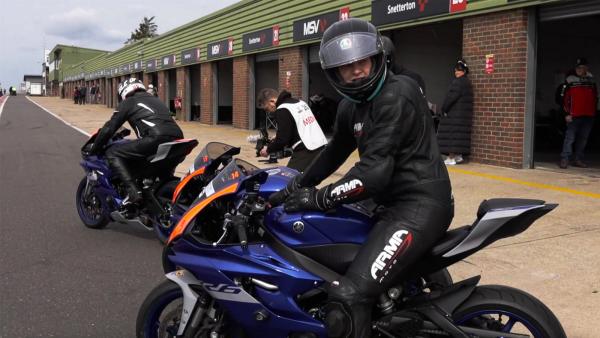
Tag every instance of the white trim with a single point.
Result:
(2, 105)
(61, 119)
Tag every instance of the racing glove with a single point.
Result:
(308, 199)
(279, 197)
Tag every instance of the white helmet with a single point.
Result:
(129, 87)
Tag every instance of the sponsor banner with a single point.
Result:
(124, 69)
(314, 26)
(219, 48)
(150, 65)
(190, 56)
(167, 61)
(136, 66)
(264, 38)
(389, 11)
(107, 72)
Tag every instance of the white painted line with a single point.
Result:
(2, 105)
(60, 118)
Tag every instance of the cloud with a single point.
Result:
(83, 25)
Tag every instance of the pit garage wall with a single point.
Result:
(498, 133)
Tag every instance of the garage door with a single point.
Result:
(571, 9)
(35, 89)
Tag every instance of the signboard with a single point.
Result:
(314, 26)
(389, 11)
(190, 56)
(264, 38)
(150, 65)
(167, 61)
(219, 48)
(124, 69)
(136, 66)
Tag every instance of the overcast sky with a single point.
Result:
(27, 26)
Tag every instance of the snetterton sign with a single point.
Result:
(389, 11)
(264, 38)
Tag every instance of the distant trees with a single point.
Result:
(147, 29)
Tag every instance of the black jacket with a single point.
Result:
(399, 156)
(287, 132)
(146, 114)
(454, 131)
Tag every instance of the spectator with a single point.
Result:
(454, 132)
(82, 92)
(297, 128)
(93, 94)
(579, 102)
(76, 95)
(151, 90)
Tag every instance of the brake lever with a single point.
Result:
(226, 222)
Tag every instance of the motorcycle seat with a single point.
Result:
(501, 203)
(450, 240)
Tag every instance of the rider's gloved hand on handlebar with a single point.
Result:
(308, 199)
(279, 197)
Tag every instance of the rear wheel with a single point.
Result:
(89, 206)
(505, 309)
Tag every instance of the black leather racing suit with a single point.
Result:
(151, 121)
(401, 168)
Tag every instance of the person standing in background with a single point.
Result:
(580, 100)
(454, 131)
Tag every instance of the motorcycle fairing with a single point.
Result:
(209, 158)
(179, 147)
(488, 225)
(184, 181)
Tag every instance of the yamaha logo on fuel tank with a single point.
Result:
(389, 11)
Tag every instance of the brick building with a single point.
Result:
(210, 70)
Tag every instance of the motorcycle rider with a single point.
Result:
(386, 117)
(152, 122)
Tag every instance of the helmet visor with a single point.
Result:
(348, 48)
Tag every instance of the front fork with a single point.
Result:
(92, 180)
(184, 279)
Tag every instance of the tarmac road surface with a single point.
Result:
(57, 277)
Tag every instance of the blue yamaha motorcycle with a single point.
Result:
(100, 196)
(237, 268)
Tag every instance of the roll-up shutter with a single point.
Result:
(571, 9)
(267, 57)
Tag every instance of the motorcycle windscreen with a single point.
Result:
(225, 183)
(211, 152)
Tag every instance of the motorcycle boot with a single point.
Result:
(119, 168)
(348, 312)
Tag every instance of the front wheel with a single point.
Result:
(160, 315)
(89, 206)
(505, 309)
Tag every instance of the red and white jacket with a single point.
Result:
(581, 96)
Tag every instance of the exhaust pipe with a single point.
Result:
(118, 217)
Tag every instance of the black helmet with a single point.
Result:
(461, 65)
(349, 41)
(389, 49)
